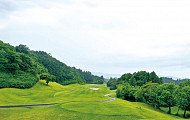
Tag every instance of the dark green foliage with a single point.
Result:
(183, 96)
(112, 83)
(22, 49)
(137, 79)
(139, 95)
(47, 77)
(140, 78)
(185, 83)
(19, 80)
(154, 78)
(120, 92)
(125, 77)
(56, 68)
(19, 60)
(12, 61)
(88, 77)
(126, 92)
(17, 69)
(150, 94)
(132, 81)
(165, 95)
(64, 74)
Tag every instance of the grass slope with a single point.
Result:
(174, 111)
(75, 102)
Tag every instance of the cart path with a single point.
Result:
(107, 95)
(38, 105)
(27, 106)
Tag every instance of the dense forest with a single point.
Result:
(21, 67)
(16, 69)
(149, 88)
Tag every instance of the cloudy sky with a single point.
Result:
(108, 36)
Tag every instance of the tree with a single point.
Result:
(154, 78)
(177, 98)
(119, 92)
(132, 81)
(142, 77)
(183, 98)
(150, 94)
(125, 77)
(47, 77)
(112, 83)
(139, 95)
(127, 92)
(185, 83)
(167, 97)
(22, 49)
(26, 62)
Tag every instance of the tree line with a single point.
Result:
(135, 79)
(170, 80)
(149, 88)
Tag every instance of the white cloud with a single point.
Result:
(130, 33)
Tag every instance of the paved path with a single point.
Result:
(27, 106)
(107, 95)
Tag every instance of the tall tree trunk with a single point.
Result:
(169, 112)
(158, 105)
(185, 112)
(47, 82)
(177, 111)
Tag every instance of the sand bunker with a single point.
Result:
(94, 88)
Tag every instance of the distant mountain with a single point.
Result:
(171, 80)
(107, 75)
(173, 77)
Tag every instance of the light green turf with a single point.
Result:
(75, 102)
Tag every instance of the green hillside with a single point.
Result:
(21, 67)
(74, 102)
(65, 74)
(17, 70)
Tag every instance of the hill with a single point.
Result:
(65, 74)
(21, 67)
(74, 102)
(17, 70)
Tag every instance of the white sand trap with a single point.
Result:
(94, 88)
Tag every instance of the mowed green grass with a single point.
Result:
(74, 102)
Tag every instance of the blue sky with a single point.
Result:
(109, 36)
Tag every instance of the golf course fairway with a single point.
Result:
(73, 102)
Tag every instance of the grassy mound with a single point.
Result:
(75, 102)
